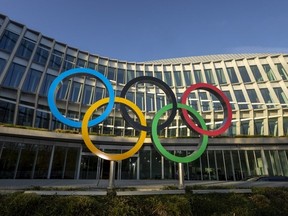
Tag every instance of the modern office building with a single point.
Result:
(33, 144)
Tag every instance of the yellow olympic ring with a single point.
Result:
(94, 149)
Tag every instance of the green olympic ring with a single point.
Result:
(155, 138)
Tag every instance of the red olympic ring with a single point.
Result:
(224, 102)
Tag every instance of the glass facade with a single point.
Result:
(255, 84)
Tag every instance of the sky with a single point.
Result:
(143, 30)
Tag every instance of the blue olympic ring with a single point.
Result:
(69, 73)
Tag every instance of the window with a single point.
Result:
(101, 69)
(254, 99)
(257, 75)
(241, 99)
(282, 71)
(25, 49)
(140, 100)
(269, 72)
(178, 78)
(198, 76)
(81, 63)
(244, 74)
(149, 73)
(48, 79)
(139, 73)
(267, 97)
(158, 74)
(130, 75)
(150, 102)
(209, 76)
(25, 116)
(273, 126)
(2, 65)
(120, 76)
(69, 62)
(8, 41)
(258, 127)
(281, 96)
(75, 92)
(188, 77)
(204, 101)
(56, 60)
(41, 55)
(228, 94)
(220, 76)
(32, 81)
(6, 112)
(111, 73)
(63, 90)
(42, 120)
(168, 78)
(87, 96)
(91, 65)
(14, 75)
(232, 75)
(244, 128)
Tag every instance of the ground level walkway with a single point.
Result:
(24, 184)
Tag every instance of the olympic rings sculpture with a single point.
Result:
(186, 112)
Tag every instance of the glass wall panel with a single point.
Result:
(2, 64)
(273, 126)
(26, 162)
(129, 168)
(267, 97)
(75, 92)
(228, 94)
(232, 75)
(14, 75)
(237, 165)
(32, 81)
(56, 60)
(130, 75)
(195, 171)
(25, 49)
(243, 163)
(88, 169)
(228, 164)
(168, 78)
(6, 112)
(258, 127)
(42, 119)
(220, 76)
(145, 164)
(205, 167)
(158, 74)
(41, 55)
(281, 96)
(285, 125)
(259, 163)
(282, 71)
(198, 76)
(209, 76)
(244, 128)
(156, 165)
(58, 162)
(188, 77)
(102, 69)
(257, 75)
(220, 166)
(8, 41)
(48, 79)
(269, 72)
(270, 166)
(177, 76)
(205, 104)
(120, 76)
(111, 73)
(69, 62)
(252, 163)
(212, 166)
(25, 116)
(240, 99)
(169, 169)
(8, 160)
(88, 94)
(63, 90)
(140, 100)
(81, 63)
(150, 102)
(284, 162)
(70, 163)
(244, 74)
(254, 99)
(42, 162)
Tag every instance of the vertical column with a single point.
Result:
(111, 184)
(180, 176)
(51, 162)
(78, 163)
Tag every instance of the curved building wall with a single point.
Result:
(256, 85)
